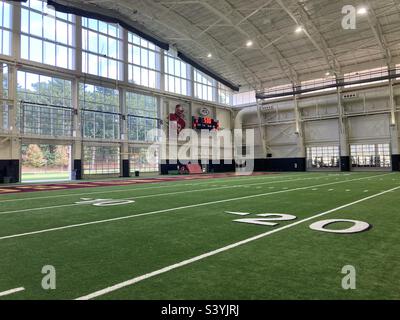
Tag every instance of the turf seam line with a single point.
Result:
(11, 291)
(181, 184)
(174, 209)
(157, 194)
(223, 249)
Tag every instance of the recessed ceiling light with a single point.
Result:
(362, 10)
(209, 55)
(299, 29)
(249, 43)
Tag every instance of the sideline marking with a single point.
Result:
(8, 292)
(157, 194)
(173, 209)
(215, 252)
(165, 185)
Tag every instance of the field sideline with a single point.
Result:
(175, 240)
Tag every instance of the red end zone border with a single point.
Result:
(78, 185)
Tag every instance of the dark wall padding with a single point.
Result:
(345, 163)
(396, 162)
(166, 166)
(78, 168)
(229, 166)
(93, 15)
(125, 168)
(269, 164)
(9, 168)
(280, 164)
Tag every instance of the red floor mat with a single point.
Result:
(77, 185)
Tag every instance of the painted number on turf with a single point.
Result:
(267, 217)
(104, 202)
(322, 226)
(358, 226)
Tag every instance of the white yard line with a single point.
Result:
(223, 249)
(135, 189)
(12, 291)
(18, 235)
(159, 194)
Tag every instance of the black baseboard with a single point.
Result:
(396, 162)
(345, 163)
(280, 164)
(125, 168)
(166, 166)
(9, 171)
(78, 168)
(269, 164)
(222, 166)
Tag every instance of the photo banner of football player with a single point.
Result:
(179, 113)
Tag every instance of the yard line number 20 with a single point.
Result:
(270, 219)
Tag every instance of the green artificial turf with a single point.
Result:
(42, 176)
(187, 219)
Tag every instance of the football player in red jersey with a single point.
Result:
(178, 117)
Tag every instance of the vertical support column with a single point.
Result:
(13, 156)
(76, 131)
(12, 147)
(215, 90)
(125, 50)
(162, 69)
(300, 164)
(191, 81)
(343, 134)
(261, 129)
(124, 145)
(16, 30)
(3, 105)
(394, 133)
(125, 163)
(163, 154)
(77, 146)
(78, 43)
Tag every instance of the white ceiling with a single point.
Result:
(278, 55)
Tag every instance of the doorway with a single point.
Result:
(45, 162)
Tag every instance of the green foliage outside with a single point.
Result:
(38, 156)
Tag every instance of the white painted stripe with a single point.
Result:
(137, 189)
(238, 213)
(8, 292)
(154, 195)
(217, 251)
(172, 209)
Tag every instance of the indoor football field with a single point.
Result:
(239, 237)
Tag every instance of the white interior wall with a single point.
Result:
(371, 128)
(366, 117)
(322, 132)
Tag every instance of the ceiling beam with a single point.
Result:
(290, 73)
(188, 30)
(328, 52)
(304, 21)
(378, 34)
